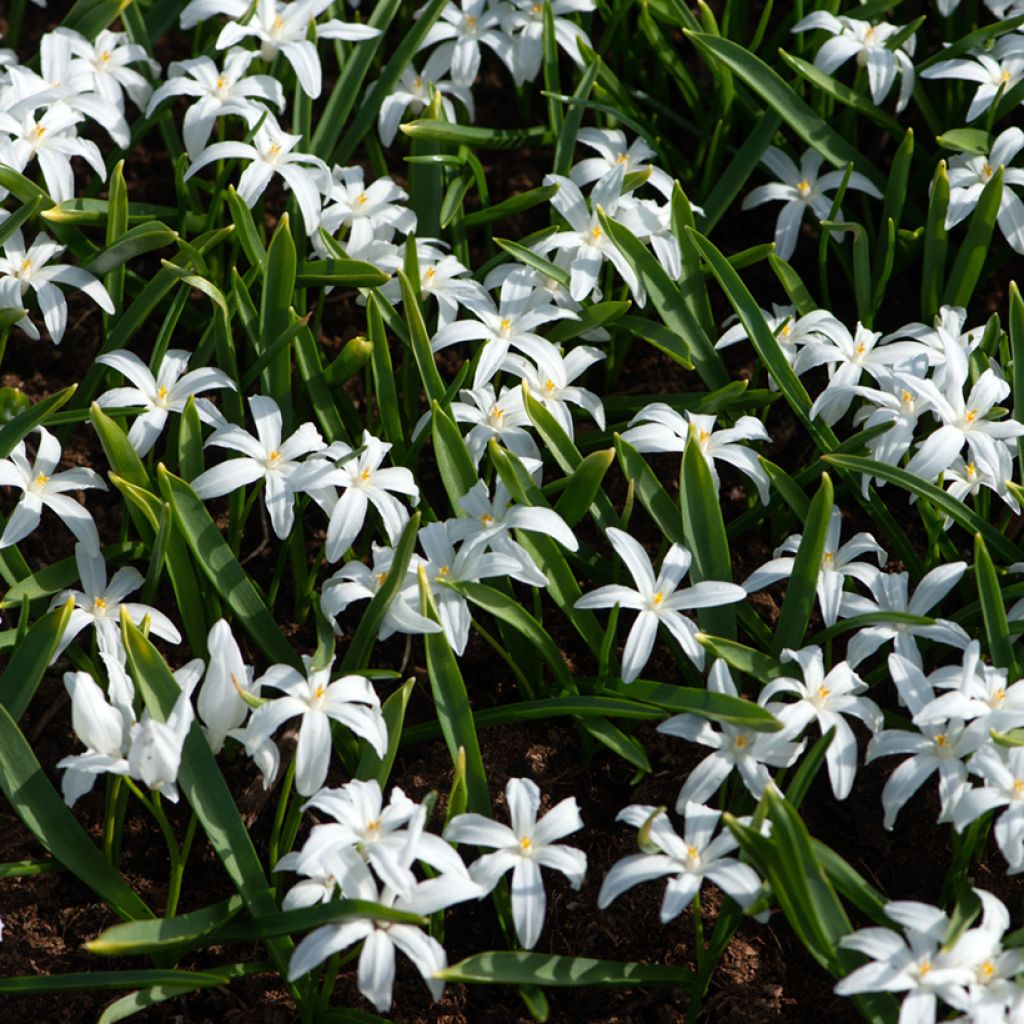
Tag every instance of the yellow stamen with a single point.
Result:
(486, 519)
(278, 23)
(972, 470)
(622, 158)
(42, 480)
(986, 170)
(941, 740)
(319, 692)
(221, 83)
(1018, 787)
(99, 604)
(444, 571)
(275, 151)
(526, 842)
(906, 397)
(925, 968)
(380, 577)
(361, 201)
(972, 415)
(470, 22)
(999, 696)
(741, 742)
(693, 853)
(430, 274)
(373, 826)
(803, 187)
(39, 131)
(365, 475)
(860, 349)
(550, 385)
(26, 264)
(823, 692)
(828, 557)
(1005, 76)
(274, 457)
(658, 599)
(161, 392)
(596, 233)
(506, 325)
(497, 412)
(987, 969)
(702, 436)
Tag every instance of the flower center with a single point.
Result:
(1004, 76)
(1018, 788)
(105, 57)
(42, 480)
(380, 577)
(430, 274)
(941, 740)
(526, 843)
(274, 152)
(444, 571)
(373, 827)
(998, 697)
(972, 415)
(986, 170)
(658, 599)
(361, 199)
(596, 233)
(549, 385)
(365, 476)
(99, 605)
(828, 558)
(273, 458)
(39, 130)
(823, 692)
(986, 970)
(470, 23)
(741, 742)
(486, 519)
(924, 968)
(497, 413)
(318, 693)
(505, 326)
(622, 158)
(161, 393)
(804, 188)
(972, 471)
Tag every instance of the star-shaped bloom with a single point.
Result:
(264, 457)
(996, 72)
(800, 188)
(610, 145)
(837, 562)
(825, 698)
(733, 748)
(218, 93)
(659, 428)
(42, 486)
(869, 44)
(349, 700)
(166, 392)
(363, 483)
(690, 858)
(371, 211)
(99, 603)
(658, 601)
(108, 57)
(524, 849)
(21, 269)
(273, 152)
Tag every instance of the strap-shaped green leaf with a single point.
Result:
(213, 555)
(546, 970)
(37, 803)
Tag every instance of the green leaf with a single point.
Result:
(357, 654)
(137, 938)
(993, 611)
(123, 458)
(967, 140)
(716, 707)
(31, 658)
(101, 980)
(338, 273)
(772, 90)
(662, 509)
(203, 785)
(520, 968)
(629, 748)
(801, 590)
(248, 237)
(936, 242)
(970, 257)
(383, 375)
(453, 459)
(519, 203)
(372, 767)
(451, 703)
(277, 297)
(529, 258)
(213, 555)
(137, 240)
(44, 813)
(945, 503)
(474, 136)
(420, 342)
(704, 530)
(751, 662)
(507, 609)
(693, 347)
(583, 485)
(35, 415)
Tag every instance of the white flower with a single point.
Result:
(99, 604)
(442, 277)
(42, 486)
(218, 93)
(550, 383)
(524, 848)
(281, 28)
(610, 145)
(964, 420)
(355, 581)
(1002, 773)
(370, 211)
(28, 269)
(413, 92)
(524, 21)
(469, 564)
(968, 176)
(947, 327)
(108, 57)
(690, 859)
(488, 522)
(363, 483)
(460, 31)
(503, 418)
(167, 392)
(825, 699)
(658, 601)
(271, 153)
(52, 141)
(890, 591)
(996, 72)
(916, 964)
(836, 564)
(388, 838)
(350, 700)
(659, 428)
(264, 457)
(734, 748)
(513, 324)
(869, 44)
(381, 938)
(585, 241)
(221, 705)
(800, 189)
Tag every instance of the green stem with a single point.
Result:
(173, 852)
(279, 813)
(178, 870)
(698, 929)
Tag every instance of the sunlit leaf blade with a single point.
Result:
(520, 968)
(135, 938)
(31, 657)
